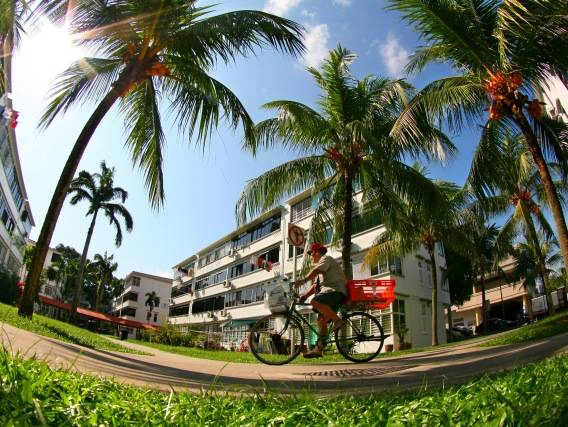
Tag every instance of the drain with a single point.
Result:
(369, 372)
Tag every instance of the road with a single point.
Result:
(165, 371)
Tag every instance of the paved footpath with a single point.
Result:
(165, 371)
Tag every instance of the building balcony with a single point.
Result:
(494, 295)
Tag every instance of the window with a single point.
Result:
(155, 317)
(245, 296)
(440, 248)
(130, 296)
(444, 278)
(255, 262)
(425, 315)
(135, 281)
(428, 274)
(179, 310)
(392, 266)
(421, 272)
(301, 210)
(128, 311)
(55, 257)
(208, 304)
(459, 321)
(258, 232)
(399, 313)
(299, 251)
(366, 221)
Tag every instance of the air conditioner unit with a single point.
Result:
(226, 283)
(224, 313)
(171, 301)
(190, 293)
(210, 314)
(232, 252)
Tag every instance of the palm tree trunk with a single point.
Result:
(50, 221)
(434, 297)
(483, 310)
(549, 188)
(347, 225)
(539, 256)
(79, 280)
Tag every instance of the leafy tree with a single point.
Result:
(63, 269)
(459, 273)
(346, 145)
(505, 177)
(152, 51)
(99, 191)
(417, 227)
(152, 300)
(105, 267)
(503, 51)
(9, 290)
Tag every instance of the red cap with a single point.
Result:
(317, 247)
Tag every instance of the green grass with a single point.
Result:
(547, 327)
(32, 394)
(52, 328)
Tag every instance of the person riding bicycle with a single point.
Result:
(329, 295)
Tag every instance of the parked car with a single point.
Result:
(462, 331)
(495, 324)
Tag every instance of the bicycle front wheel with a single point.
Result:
(361, 338)
(276, 339)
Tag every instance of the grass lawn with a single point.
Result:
(32, 394)
(52, 328)
(544, 328)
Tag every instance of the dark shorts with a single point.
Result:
(332, 299)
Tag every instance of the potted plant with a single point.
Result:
(401, 330)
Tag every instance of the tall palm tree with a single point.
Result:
(415, 226)
(503, 51)
(152, 300)
(99, 191)
(105, 266)
(345, 145)
(505, 177)
(152, 51)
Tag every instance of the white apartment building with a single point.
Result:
(554, 94)
(221, 288)
(16, 219)
(131, 304)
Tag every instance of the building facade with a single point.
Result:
(220, 289)
(131, 303)
(16, 219)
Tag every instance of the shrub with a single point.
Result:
(9, 291)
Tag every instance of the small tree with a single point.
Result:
(152, 300)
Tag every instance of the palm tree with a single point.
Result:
(152, 51)
(505, 177)
(503, 52)
(416, 226)
(152, 300)
(343, 146)
(105, 266)
(63, 270)
(99, 191)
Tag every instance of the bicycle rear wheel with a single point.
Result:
(276, 339)
(361, 338)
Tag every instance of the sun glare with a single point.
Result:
(45, 53)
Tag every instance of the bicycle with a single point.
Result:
(279, 338)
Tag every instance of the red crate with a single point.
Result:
(373, 293)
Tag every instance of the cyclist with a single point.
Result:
(329, 295)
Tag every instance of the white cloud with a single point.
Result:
(343, 3)
(280, 7)
(316, 45)
(394, 56)
(308, 14)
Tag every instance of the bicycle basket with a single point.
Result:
(276, 300)
(372, 293)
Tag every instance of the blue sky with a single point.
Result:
(201, 186)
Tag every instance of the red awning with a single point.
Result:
(97, 315)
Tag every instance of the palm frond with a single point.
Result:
(267, 190)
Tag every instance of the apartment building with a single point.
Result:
(221, 288)
(16, 219)
(554, 94)
(131, 304)
(503, 299)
